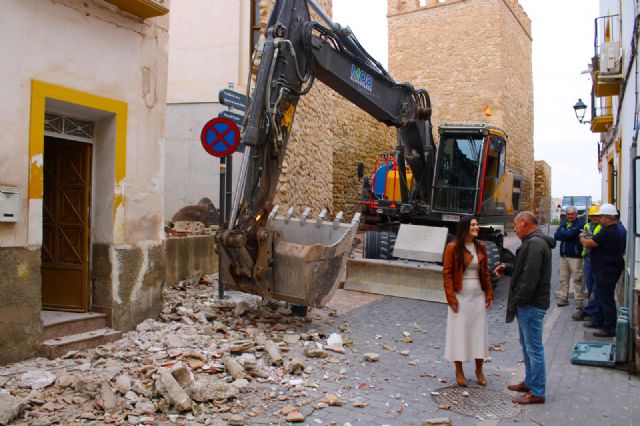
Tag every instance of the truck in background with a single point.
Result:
(581, 202)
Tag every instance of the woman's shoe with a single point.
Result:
(462, 381)
(480, 377)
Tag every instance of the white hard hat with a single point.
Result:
(608, 209)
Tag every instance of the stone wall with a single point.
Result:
(328, 138)
(542, 190)
(20, 304)
(469, 54)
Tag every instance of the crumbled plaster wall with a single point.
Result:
(127, 282)
(20, 325)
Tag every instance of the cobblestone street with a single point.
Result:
(388, 370)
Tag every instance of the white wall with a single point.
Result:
(208, 48)
(92, 47)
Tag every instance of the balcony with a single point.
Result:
(606, 64)
(143, 8)
(601, 119)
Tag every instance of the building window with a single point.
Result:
(612, 179)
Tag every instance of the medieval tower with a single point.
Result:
(474, 59)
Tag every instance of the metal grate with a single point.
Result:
(60, 125)
(480, 402)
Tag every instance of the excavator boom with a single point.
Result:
(284, 257)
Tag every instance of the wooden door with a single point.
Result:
(65, 239)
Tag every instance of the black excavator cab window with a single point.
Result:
(456, 179)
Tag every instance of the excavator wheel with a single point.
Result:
(371, 245)
(379, 245)
(493, 259)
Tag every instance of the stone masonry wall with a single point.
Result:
(329, 137)
(467, 54)
(542, 190)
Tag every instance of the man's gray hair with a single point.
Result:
(571, 209)
(528, 216)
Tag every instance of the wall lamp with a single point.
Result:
(580, 109)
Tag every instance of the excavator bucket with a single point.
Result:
(309, 258)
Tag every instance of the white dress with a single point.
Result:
(467, 329)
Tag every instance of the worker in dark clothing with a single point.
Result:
(529, 296)
(607, 263)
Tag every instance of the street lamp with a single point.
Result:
(580, 108)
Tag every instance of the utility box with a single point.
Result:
(9, 204)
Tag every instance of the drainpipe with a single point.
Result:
(631, 242)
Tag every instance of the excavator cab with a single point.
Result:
(471, 175)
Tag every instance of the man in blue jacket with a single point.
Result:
(568, 233)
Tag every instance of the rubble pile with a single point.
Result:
(235, 361)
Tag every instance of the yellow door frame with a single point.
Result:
(40, 92)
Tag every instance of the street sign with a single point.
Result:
(233, 99)
(220, 137)
(236, 118)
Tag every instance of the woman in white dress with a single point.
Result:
(469, 291)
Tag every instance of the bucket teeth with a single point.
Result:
(287, 218)
(356, 219)
(274, 212)
(338, 219)
(321, 217)
(305, 215)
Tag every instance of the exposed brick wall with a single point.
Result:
(329, 137)
(468, 53)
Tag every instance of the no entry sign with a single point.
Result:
(220, 137)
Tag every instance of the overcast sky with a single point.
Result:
(562, 48)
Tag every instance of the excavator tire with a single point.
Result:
(372, 245)
(493, 259)
(387, 242)
(379, 245)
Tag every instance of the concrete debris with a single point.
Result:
(371, 357)
(37, 379)
(10, 408)
(203, 361)
(208, 388)
(274, 352)
(437, 421)
(335, 342)
(312, 350)
(170, 389)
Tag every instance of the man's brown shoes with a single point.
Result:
(519, 387)
(528, 398)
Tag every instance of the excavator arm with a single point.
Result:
(295, 52)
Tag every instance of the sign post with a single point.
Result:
(220, 137)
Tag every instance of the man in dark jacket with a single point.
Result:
(529, 296)
(570, 269)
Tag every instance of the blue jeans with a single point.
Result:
(589, 283)
(530, 323)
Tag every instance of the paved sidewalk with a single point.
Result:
(398, 389)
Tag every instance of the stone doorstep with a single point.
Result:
(54, 348)
(89, 322)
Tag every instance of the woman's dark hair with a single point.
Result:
(461, 233)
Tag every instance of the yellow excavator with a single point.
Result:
(300, 259)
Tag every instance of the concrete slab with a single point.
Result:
(417, 242)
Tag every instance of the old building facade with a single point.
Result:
(81, 163)
(474, 58)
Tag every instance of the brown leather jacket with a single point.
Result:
(453, 270)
